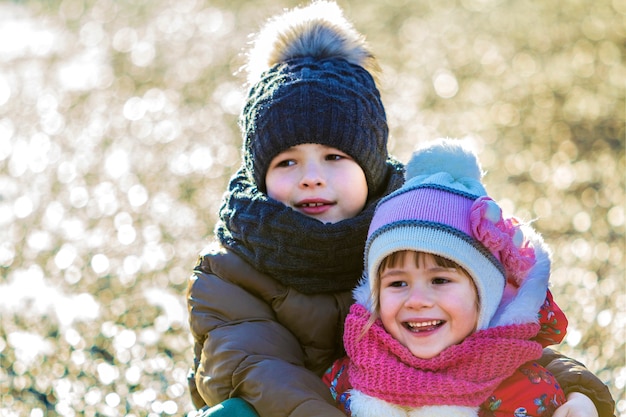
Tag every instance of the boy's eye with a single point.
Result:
(336, 156)
(285, 163)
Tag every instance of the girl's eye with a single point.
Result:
(397, 284)
(439, 281)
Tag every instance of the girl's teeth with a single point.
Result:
(424, 323)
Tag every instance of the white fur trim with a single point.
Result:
(363, 405)
(523, 306)
(362, 294)
(444, 411)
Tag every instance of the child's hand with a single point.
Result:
(577, 405)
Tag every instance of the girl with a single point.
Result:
(454, 307)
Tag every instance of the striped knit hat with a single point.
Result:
(443, 209)
(311, 76)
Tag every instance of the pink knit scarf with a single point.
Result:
(464, 374)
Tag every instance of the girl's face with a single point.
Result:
(318, 181)
(427, 307)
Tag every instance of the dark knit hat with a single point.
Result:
(316, 90)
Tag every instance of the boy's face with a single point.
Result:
(427, 307)
(318, 181)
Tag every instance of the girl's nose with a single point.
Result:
(312, 175)
(419, 298)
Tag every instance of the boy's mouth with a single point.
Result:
(314, 208)
(311, 204)
(423, 326)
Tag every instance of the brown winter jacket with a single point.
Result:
(261, 341)
(268, 344)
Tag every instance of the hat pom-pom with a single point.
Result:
(452, 156)
(318, 30)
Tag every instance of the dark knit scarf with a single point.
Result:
(299, 251)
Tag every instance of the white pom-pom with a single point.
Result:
(445, 155)
(318, 30)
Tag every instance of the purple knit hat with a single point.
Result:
(443, 209)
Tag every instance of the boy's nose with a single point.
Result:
(312, 175)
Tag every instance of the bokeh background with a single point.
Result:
(118, 134)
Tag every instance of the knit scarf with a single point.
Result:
(297, 250)
(462, 375)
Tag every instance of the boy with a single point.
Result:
(267, 306)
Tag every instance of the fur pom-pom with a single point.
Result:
(453, 156)
(319, 31)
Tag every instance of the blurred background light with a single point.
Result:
(118, 135)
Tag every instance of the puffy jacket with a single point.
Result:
(574, 377)
(261, 341)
